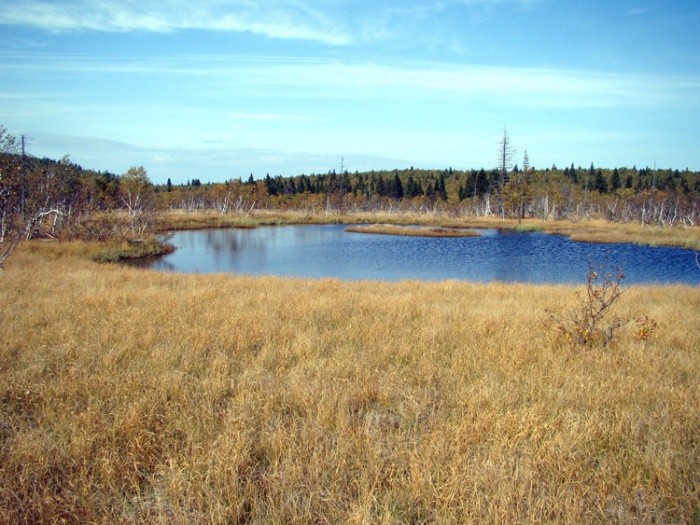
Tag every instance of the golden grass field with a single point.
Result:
(129, 396)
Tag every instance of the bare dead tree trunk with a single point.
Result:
(505, 157)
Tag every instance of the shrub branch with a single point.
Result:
(591, 321)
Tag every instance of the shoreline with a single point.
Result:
(594, 230)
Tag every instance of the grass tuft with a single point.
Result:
(408, 231)
(130, 250)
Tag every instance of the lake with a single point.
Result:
(329, 251)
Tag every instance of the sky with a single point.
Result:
(221, 89)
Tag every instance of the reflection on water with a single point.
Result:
(329, 251)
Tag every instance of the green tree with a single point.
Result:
(270, 185)
(440, 190)
(615, 182)
(463, 191)
(381, 187)
(344, 184)
(571, 173)
(396, 191)
(481, 182)
(600, 183)
(669, 184)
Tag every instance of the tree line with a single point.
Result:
(665, 197)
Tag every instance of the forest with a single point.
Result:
(664, 197)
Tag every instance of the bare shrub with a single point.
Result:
(592, 322)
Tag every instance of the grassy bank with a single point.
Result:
(405, 231)
(584, 231)
(183, 220)
(132, 396)
(119, 251)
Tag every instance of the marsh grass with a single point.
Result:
(133, 396)
(119, 251)
(408, 231)
(600, 231)
(210, 219)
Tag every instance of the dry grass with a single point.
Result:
(138, 397)
(604, 232)
(405, 231)
(207, 219)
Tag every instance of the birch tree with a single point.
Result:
(136, 196)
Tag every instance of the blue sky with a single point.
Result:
(216, 89)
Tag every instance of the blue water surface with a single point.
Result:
(329, 251)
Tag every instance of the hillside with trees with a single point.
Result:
(58, 199)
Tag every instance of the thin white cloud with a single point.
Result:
(513, 86)
(270, 117)
(309, 20)
(321, 79)
(182, 164)
(635, 11)
(4, 95)
(422, 7)
(281, 20)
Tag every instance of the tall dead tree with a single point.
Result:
(505, 163)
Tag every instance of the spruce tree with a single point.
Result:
(600, 184)
(615, 182)
(396, 188)
(381, 187)
(440, 190)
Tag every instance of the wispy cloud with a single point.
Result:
(310, 20)
(5, 95)
(635, 11)
(280, 20)
(270, 117)
(323, 79)
(513, 86)
(181, 164)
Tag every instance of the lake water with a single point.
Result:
(330, 251)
